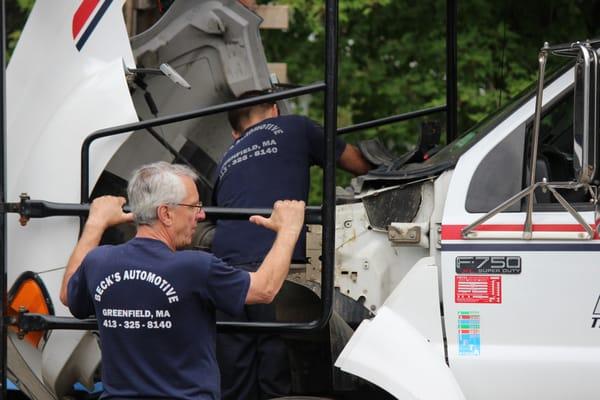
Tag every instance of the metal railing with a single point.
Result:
(389, 120)
(3, 284)
(137, 127)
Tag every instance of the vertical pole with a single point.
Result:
(328, 239)
(3, 288)
(451, 71)
(542, 57)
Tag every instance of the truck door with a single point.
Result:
(522, 315)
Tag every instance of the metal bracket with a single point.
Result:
(397, 235)
(26, 322)
(469, 231)
(9, 207)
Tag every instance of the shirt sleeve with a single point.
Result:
(316, 143)
(78, 297)
(227, 287)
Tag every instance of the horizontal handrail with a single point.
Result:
(388, 120)
(27, 209)
(31, 322)
(137, 126)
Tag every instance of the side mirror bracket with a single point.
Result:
(585, 113)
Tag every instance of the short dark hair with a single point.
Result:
(238, 116)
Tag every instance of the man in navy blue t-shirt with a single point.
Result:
(155, 305)
(269, 159)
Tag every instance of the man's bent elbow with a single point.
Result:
(261, 297)
(64, 299)
(260, 293)
(269, 296)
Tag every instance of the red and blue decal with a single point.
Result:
(86, 18)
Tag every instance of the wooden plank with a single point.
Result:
(274, 16)
(280, 70)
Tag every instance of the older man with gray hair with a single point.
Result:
(156, 306)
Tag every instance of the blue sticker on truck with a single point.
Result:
(469, 335)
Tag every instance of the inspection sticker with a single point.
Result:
(469, 338)
(478, 289)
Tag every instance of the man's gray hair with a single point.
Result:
(152, 185)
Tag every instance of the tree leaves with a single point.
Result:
(393, 56)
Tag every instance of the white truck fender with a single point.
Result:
(400, 350)
(69, 357)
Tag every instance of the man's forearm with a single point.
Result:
(92, 234)
(287, 220)
(275, 267)
(105, 211)
(353, 161)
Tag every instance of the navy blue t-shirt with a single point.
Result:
(156, 316)
(270, 162)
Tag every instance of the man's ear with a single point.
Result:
(163, 212)
(274, 111)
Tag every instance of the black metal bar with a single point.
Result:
(388, 120)
(43, 209)
(31, 322)
(330, 128)
(3, 284)
(312, 214)
(85, 147)
(451, 72)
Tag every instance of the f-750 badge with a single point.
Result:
(488, 265)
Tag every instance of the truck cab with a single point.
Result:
(492, 290)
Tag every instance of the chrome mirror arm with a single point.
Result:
(542, 58)
(468, 231)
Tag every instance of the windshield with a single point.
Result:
(451, 152)
(456, 148)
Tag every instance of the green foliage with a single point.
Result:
(17, 13)
(393, 57)
(25, 5)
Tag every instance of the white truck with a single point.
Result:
(468, 275)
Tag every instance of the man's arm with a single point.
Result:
(287, 220)
(353, 161)
(105, 212)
